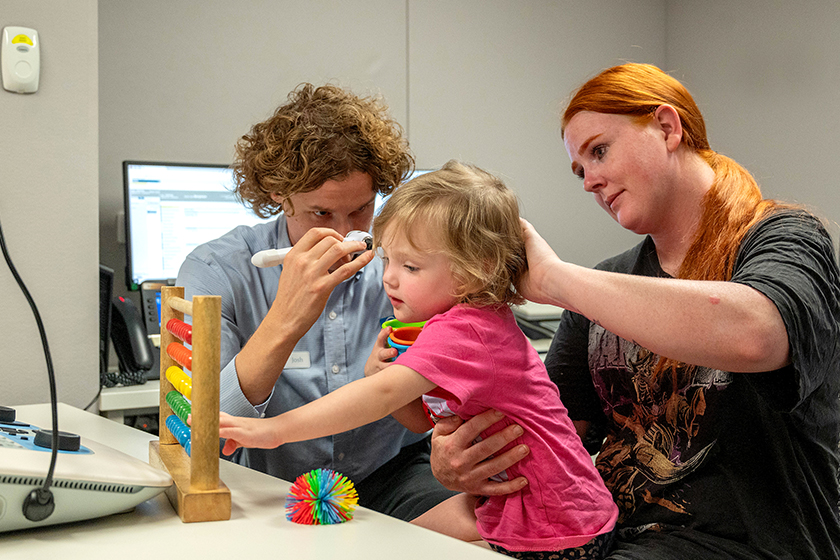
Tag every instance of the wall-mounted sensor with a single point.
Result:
(21, 59)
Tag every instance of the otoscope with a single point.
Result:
(274, 257)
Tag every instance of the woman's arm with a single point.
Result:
(721, 325)
(355, 404)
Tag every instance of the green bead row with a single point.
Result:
(179, 405)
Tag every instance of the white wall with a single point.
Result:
(481, 80)
(48, 208)
(487, 82)
(766, 74)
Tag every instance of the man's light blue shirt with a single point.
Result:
(333, 352)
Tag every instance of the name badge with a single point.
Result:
(298, 360)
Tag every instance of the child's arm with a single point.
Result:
(355, 404)
(413, 416)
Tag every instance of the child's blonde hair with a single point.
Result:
(473, 218)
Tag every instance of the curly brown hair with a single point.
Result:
(319, 134)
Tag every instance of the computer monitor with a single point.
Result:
(170, 208)
(380, 199)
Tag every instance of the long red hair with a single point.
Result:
(733, 204)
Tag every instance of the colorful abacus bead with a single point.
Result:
(179, 405)
(180, 430)
(180, 354)
(181, 330)
(179, 380)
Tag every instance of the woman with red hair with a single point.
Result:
(704, 363)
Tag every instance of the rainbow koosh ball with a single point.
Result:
(321, 497)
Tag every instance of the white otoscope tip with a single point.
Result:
(274, 257)
(269, 257)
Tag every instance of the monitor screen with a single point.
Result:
(170, 208)
(380, 199)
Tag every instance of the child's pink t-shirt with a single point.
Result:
(480, 359)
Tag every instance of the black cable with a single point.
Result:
(96, 398)
(102, 368)
(39, 504)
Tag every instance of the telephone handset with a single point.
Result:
(131, 343)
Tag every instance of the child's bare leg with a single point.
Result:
(454, 517)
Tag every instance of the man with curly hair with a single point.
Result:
(295, 332)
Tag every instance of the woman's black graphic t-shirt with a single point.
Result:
(744, 464)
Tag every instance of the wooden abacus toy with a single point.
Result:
(190, 453)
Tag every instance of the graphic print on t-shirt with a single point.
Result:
(660, 435)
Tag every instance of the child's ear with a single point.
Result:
(462, 287)
(471, 286)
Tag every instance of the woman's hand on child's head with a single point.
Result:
(540, 280)
(459, 464)
(381, 355)
(247, 432)
(539, 254)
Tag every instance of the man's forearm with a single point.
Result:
(260, 363)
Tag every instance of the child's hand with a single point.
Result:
(248, 432)
(381, 355)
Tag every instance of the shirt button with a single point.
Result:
(333, 315)
(341, 456)
(335, 368)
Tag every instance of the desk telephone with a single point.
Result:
(131, 343)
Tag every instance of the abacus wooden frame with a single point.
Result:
(197, 494)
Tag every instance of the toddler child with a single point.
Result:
(454, 256)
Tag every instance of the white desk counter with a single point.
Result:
(115, 402)
(257, 528)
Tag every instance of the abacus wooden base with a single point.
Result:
(192, 505)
